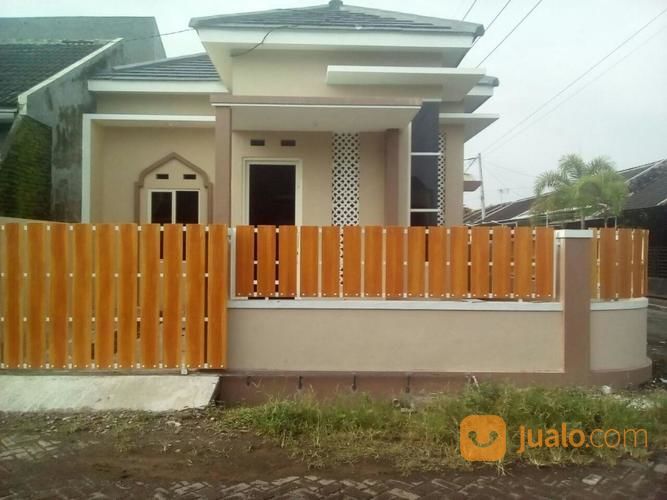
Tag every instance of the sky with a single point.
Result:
(618, 110)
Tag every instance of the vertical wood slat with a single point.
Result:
(287, 271)
(127, 295)
(171, 312)
(607, 263)
(104, 295)
(266, 261)
(416, 261)
(394, 262)
(523, 262)
(437, 262)
(637, 273)
(194, 312)
(373, 261)
(479, 262)
(309, 255)
(330, 261)
(645, 242)
(352, 261)
(36, 309)
(544, 262)
(12, 293)
(58, 299)
(245, 249)
(623, 269)
(218, 265)
(149, 293)
(459, 261)
(82, 287)
(501, 274)
(595, 265)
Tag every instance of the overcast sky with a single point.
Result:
(618, 110)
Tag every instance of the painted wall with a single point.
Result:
(303, 73)
(454, 141)
(618, 339)
(120, 154)
(395, 340)
(154, 104)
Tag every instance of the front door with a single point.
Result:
(271, 194)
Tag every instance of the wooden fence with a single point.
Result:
(394, 262)
(619, 263)
(100, 296)
(110, 296)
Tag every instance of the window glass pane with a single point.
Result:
(423, 218)
(272, 194)
(161, 207)
(187, 207)
(424, 182)
(426, 129)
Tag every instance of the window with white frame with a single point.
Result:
(173, 206)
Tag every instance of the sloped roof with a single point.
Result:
(647, 185)
(23, 65)
(336, 15)
(141, 35)
(195, 67)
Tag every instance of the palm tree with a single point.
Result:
(580, 187)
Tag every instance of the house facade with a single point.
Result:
(326, 115)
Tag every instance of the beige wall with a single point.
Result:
(154, 104)
(394, 340)
(618, 339)
(303, 73)
(454, 141)
(371, 178)
(122, 153)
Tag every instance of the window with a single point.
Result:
(424, 166)
(171, 206)
(162, 177)
(290, 143)
(257, 142)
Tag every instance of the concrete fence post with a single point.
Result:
(574, 276)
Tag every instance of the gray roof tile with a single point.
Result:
(338, 16)
(23, 65)
(196, 67)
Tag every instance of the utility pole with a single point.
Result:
(481, 186)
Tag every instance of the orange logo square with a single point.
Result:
(483, 438)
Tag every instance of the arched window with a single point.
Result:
(173, 190)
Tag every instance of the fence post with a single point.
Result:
(575, 297)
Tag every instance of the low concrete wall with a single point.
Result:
(469, 339)
(618, 335)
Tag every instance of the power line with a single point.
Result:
(511, 31)
(499, 141)
(469, 9)
(157, 35)
(497, 16)
(569, 85)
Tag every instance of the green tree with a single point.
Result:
(581, 188)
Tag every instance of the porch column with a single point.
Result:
(392, 153)
(574, 286)
(222, 197)
(454, 174)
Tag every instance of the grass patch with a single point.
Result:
(426, 436)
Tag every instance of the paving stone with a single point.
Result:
(592, 479)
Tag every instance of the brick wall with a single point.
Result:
(25, 171)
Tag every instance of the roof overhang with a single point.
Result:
(318, 114)
(473, 124)
(138, 120)
(156, 86)
(456, 82)
(477, 96)
(452, 46)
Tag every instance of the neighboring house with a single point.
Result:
(322, 115)
(44, 67)
(646, 207)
